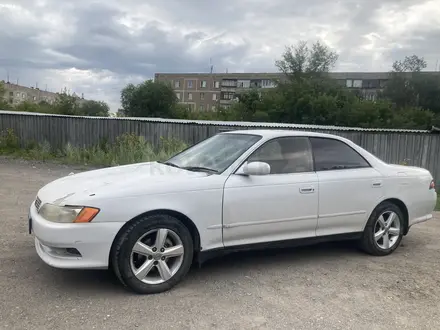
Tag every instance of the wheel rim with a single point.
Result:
(157, 256)
(387, 230)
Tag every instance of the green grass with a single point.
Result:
(437, 206)
(127, 149)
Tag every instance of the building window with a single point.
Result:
(203, 83)
(341, 82)
(228, 95)
(18, 94)
(214, 97)
(229, 83)
(11, 93)
(190, 96)
(266, 83)
(353, 83)
(371, 83)
(34, 98)
(216, 84)
(23, 95)
(176, 84)
(178, 96)
(357, 83)
(202, 96)
(243, 83)
(190, 83)
(201, 107)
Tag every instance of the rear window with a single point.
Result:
(331, 154)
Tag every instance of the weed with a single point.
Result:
(126, 149)
(9, 141)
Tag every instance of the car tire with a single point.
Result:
(371, 242)
(124, 257)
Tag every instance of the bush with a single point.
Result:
(127, 149)
(8, 141)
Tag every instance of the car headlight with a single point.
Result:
(67, 214)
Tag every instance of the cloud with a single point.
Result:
(96, 47)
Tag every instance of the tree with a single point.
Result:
(409, 64)
(94, 108)
(66, 104)
(408, 86)
(148, 99)
(4, 105)
(302, 61)
(27, 106)
(249, 105)
(307, 95)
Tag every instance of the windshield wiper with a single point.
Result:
(190, 168)
(169, 164)
(200, 168)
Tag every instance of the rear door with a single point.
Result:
(349, 188)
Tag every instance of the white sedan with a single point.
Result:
(236, 190)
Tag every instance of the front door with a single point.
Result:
(278, 206)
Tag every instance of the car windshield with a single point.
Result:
(214, 154)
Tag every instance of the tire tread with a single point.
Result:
(118, 249)
(367, 243)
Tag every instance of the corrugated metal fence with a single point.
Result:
(419, 148)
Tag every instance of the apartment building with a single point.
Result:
(15, 94)
(206, 91)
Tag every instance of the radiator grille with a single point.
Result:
(37, 203)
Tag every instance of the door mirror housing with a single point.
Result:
(255, 168)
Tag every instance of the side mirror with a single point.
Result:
(256, 168)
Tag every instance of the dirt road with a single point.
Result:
(331, 286)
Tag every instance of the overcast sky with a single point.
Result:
(96, 47)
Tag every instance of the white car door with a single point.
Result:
(349, 188)
(278, 206)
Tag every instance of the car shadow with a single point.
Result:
(90, 281)
(105, 282)
(280, 256)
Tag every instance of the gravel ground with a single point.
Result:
(331, 286)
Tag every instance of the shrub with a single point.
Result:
(9, 141)
(127, 149)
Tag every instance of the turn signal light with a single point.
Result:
(86, 215)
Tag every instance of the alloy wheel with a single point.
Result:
(157, 256)
(387, 230)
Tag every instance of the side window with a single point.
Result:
(285, 155)
(332, 154)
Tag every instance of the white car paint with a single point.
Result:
(228, 209)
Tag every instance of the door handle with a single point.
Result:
(376, 184)
(306, 190)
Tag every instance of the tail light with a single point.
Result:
(432, 185)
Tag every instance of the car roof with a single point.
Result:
(272, 133)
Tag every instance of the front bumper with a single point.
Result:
(73, 245)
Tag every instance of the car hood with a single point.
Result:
(126, 178)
